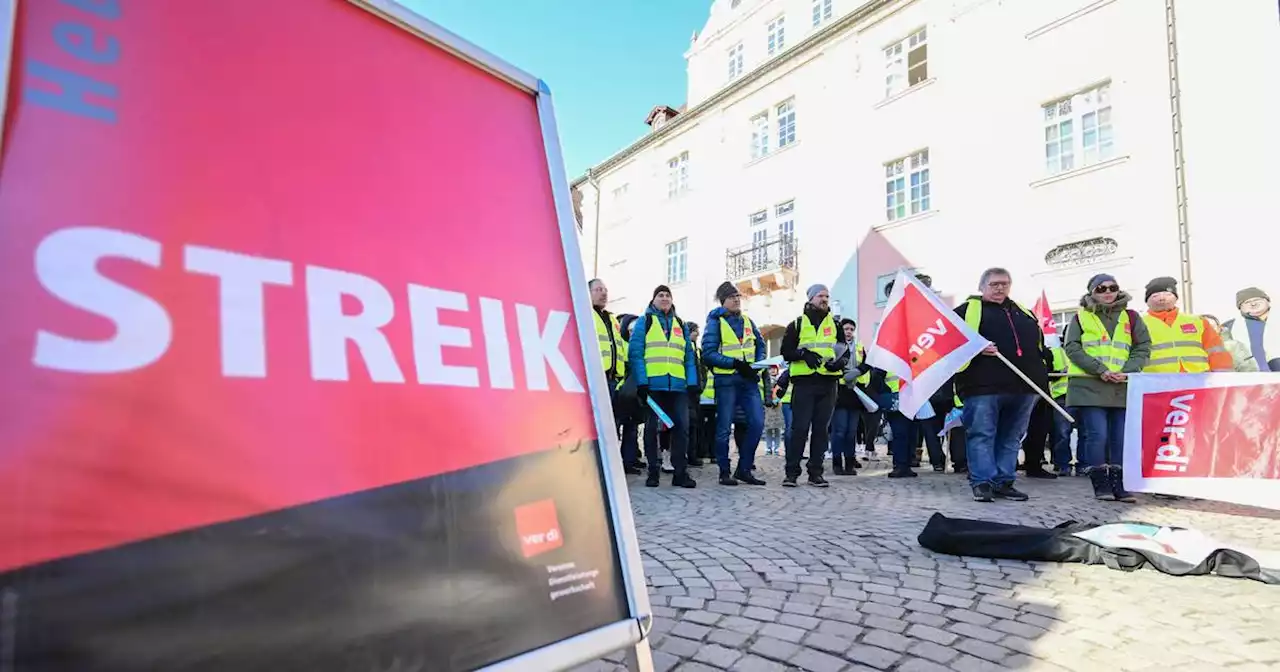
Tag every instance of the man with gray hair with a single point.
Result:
(997, 402)
(810, 347)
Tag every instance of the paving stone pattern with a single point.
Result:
(768, 579)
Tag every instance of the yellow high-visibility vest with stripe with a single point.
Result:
(1058, 386)
(893, 382)
(1112, 351)
(733, 348)
(786, 396)
(709, 392)
(861, 353)
(821, 340)
(1178, 347)
(663, 355)
(613, 351)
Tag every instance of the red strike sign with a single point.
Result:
(1214, 432)
(243, 272)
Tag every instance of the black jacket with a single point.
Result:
(1019, 339)
(791, 339)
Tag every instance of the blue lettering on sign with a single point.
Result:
(107, 9)
(77, 39)
(73, 87)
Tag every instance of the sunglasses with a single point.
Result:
(1106, 289)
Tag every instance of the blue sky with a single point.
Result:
(608, 62)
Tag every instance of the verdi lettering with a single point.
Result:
(927, 339)
(1170, 454)
(66, 265)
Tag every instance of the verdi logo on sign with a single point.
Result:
(538, 527)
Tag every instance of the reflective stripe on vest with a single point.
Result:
(1111, 351)
(709, 392)
(821, 340)
(893, 382)
(1058, 387)
(1176, 348)
(664, 356)
(613, 352)
(732, 348)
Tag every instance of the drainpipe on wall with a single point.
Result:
(595, 248)
(1179, 157)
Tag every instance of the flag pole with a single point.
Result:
(1042, 393)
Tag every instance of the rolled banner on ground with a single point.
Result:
(867, 403)
(662, 415)
(768, 362)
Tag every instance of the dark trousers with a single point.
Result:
(869, 429)
(675, 405)
(706, 430)
(813, 398)
(955, 444)
(1035, 445)
(929, 433)
(628, 430)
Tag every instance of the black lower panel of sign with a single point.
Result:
(419, 576)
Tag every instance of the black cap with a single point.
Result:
(1165, 284)
(658, 290)
(726, 291)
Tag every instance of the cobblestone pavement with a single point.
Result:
(771, 579)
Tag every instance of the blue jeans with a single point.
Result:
(738, 394)
(844, 435)
(1060, 439)
(994, 425)
(786, 423)
(1102, 436)
(902, 445)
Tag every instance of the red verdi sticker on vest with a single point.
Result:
(677, 331)
(1188, 328)
(826, 331)
(1128, 327)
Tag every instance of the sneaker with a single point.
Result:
(1040, 473)
(668, 469)
(1007, 491)
(632, 470)
(695, 462)
(982, 493)
(1062, 472)
(640, 464)
(902, 473)
(652, 481)
(748, 479)
(790, 482)
(856, 465)
(726, 479)
(683, 481)
(940, 470)
(817, 481)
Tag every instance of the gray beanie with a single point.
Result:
(814, 289)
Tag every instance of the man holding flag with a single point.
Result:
(922, 343)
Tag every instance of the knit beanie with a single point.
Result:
(1250, 293)
(660, 289)
(1099, 279)
(1165, 284)
(814, 289)
(726, 291)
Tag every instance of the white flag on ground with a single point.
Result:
(922, 341)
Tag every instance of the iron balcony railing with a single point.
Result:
(770, 254)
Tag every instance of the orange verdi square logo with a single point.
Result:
(538, 527)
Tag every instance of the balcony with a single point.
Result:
(764, 265)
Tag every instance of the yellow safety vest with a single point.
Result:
(664, 356)
(732, 348)
(973, 318)
(861, 353)
(786, 396)
(821, 340)
(892, 381)
(1177, 348)
(1111, 351)
(613, 351)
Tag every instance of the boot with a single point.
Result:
(652, 480)
(1101, 485)
(1116, 477)
(682, 480)
(837, 465)
(726, 479)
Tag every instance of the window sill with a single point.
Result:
(912, 219)
(772, 153)
(1084, 170)
(904, 93)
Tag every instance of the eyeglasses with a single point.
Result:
(998, 284)
(1106, 289)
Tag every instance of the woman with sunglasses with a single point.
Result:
(1105, 342)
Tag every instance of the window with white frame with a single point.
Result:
(777, 35)
(759, 222)
(785, 215)
(907, 186)
(735, 61)
(678, 261)
(786, 113)
(821, 12)
(906, 63)
(760, 135)
(678, 175)
(1077, 130)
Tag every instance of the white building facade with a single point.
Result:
(834, 141)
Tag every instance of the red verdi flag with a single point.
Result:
(1211, 436)
(922, 341)
(1045, 315)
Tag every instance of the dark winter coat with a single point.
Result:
(1017, 335)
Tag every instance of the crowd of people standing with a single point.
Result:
(694, 391)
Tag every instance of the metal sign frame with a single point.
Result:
(628, 634)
